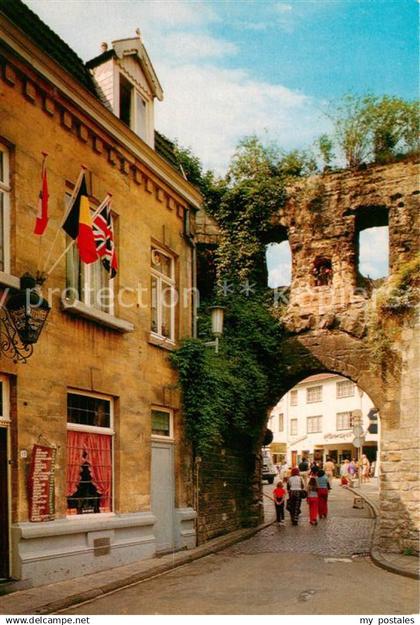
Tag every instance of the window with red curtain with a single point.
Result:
(89, 454)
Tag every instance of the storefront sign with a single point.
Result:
(41, 484)
(339, 435)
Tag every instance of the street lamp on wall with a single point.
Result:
(23, 318)
(217, 318)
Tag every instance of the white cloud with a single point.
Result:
(279, 264)
(182, 46)
(210, 109)
(207, 107)
(374, 252)
(174, 13)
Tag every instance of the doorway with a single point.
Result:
(4, 505)
(163, 495)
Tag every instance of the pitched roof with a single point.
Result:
(48, 41)
(165, 148)
(101, 58)
(34, 28)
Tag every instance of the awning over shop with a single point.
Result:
(278, 448)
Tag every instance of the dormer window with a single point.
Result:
(126, 98)
(133, 108)
(129, 85)
(141, 116)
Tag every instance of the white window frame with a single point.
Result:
(170, 412)
(293, 398)
(87, 277)
(311, 419)
(110, 431)
(294, 422)
(5, 417)
(339, 416)
(170, 282)
(318, 397)
(281, 421)
(344, 388)
(6, 189)
(5, 423)
(135, 92)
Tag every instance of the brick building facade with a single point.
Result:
(99, 376)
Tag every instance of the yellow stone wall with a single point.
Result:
(74, 353)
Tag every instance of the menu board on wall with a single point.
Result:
(41, 484)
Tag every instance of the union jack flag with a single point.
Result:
(103, 232)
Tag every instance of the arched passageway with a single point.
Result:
(324, 416)
(327, 329)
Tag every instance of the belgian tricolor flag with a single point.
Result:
(78, 224)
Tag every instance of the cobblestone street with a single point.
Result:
(281, 570)
(338, 535)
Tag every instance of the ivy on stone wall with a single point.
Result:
(230, 393)
(393, 305)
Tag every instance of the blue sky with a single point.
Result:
(231, 68)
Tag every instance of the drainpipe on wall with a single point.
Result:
(190, 239)
(197, 463)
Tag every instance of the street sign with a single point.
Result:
(358, 441)
(358, 430)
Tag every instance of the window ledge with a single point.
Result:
(79, 309)
(162, 439)
(161, 341)
(8, 280)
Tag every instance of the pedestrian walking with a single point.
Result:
(283, 471)
(344, 472)
(313, 501)
(365, 469)
(314, 469)
(329, 468)
(373, 469)
(323, 488)
(353, 469)
(279, 494)
(296, 494)
(303, 467)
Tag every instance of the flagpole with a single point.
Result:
(44, 161)
(73, 241)
(72, 198)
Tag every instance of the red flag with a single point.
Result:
(42, 215)
(85, 238)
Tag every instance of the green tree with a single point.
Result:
(351, 129)
(297, 164)
(375, 129)
(394, 125)
(325, 146)
(206, 182)
(254, 191)
(229, 394)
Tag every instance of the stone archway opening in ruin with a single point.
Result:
(372, 243)
(279, 264)
(316, 417)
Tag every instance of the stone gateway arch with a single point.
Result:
(332, 327)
